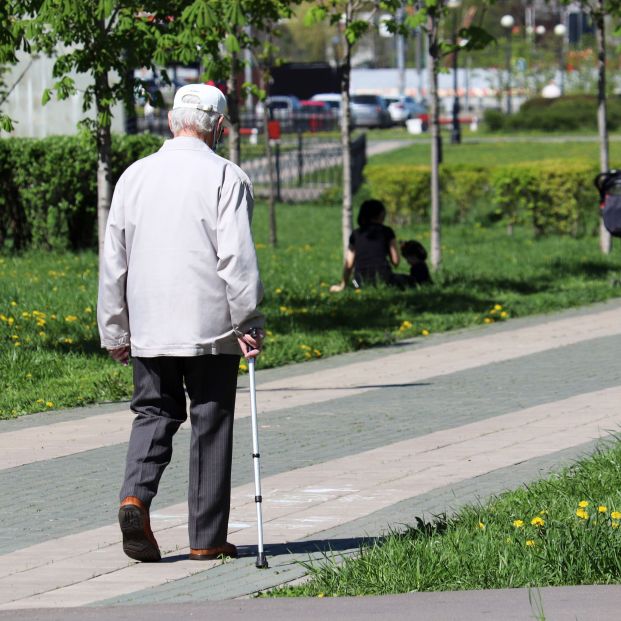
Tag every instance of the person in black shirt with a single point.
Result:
(372, 249)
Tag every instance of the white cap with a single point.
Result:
(200, 97)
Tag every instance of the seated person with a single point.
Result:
(416, 255)
(372, 248)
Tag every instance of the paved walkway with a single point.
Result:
(350, 445)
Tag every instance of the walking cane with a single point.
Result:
(261, 560)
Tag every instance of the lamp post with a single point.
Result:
(456, 133)
(507, 21)
(559, 31)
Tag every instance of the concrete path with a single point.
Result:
(351, 445)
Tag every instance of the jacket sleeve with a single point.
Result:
(112, 312)
(237, 259)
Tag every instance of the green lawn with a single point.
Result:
(560, 531)
(498, 153)
(49, 349)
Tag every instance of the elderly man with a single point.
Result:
(179, 284)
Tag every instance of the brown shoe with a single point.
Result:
(208, 554)
(138, 540)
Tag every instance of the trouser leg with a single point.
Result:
(211, 382)
(159, 404)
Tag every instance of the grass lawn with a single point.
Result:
(499, 153)
(49, 348)
(560, 531)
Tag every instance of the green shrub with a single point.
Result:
(568, 113)
(494, 120)
(552, 197)
(48, 188)
(405, 190)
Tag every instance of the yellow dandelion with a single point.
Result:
(518, 523)
(530, 543)
(277, 290)
(425, 332)
(40, 322)
(504, 314)
(88, 310)
(70, 318)
(537, 521)
(243, 367)
(28, 375)
(10, 321)
(497, 307)
(317, 353)
(40, 401)
(13, 303)
(615, 524)
(406, 325)
(321, 595)
(582, 514)
(358, 291)
(615, 515)
(602, 509)
(305, 347)
(15, 337)
(307, 355)
(26, 315)
(49, 404)
(269, 333)
(17, 344)
(583, 503)
(481, 526)
(53, 317)
(41, 333)
(2, 317)
(68, 341)
(488, 320)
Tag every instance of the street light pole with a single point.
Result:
(559, 31)
(507, 22)
(456, 132)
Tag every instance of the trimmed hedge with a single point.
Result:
(561, 114)
(48, 188)
(553, 197)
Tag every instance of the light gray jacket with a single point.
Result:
(179, 274)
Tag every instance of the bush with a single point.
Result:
(405, 190)
(48, 188)
(569, 113)
(494, 120)
(552, 197)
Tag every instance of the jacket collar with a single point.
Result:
(187, 143)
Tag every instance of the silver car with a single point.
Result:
(369, 111)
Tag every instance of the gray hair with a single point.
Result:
(194, 120)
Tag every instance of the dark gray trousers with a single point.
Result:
(160, 405)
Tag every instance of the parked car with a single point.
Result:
(332, 100)
(369, 111)
(403, 108)
(283, 108)
(315, 116)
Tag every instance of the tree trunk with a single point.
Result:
(346, 214)
(605, 241)
(104, 158)
(265, 80)
(433, 68)
(233, 112)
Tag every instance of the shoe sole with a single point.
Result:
(210, 557)
(135, 542)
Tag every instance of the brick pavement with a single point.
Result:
(502, 378)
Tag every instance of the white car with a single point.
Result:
(333, 100)
(403, 108)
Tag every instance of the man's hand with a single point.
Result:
(120, 354)
(251, 343)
